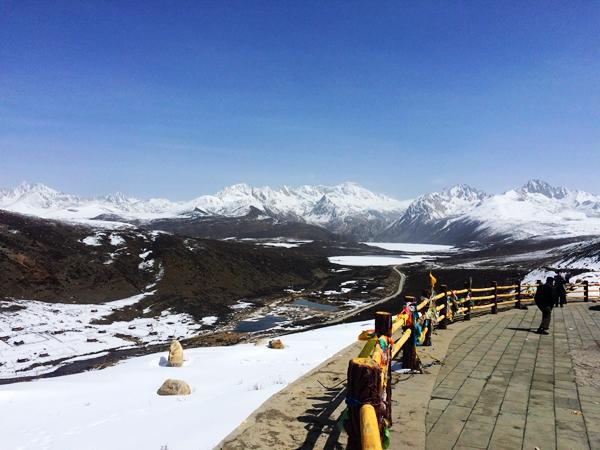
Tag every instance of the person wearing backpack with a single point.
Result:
(544, 300)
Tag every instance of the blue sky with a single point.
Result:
(177, 99)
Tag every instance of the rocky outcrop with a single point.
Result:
(175, 354)
(276, 344)
(174, 387)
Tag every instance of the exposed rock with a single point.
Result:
(174, 387)
(175, 354)
(276, 344)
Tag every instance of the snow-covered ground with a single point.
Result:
(118, 408)
(33, 332)
(571, 260)
(411, 248)
(282, 242)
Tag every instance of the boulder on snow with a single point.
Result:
(276, 344)
(174, 387)
(175, 354)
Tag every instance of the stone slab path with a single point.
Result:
(504, 387)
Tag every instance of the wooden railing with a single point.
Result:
(368, 416)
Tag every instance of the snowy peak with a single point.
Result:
(235, 190)
(35, 195)
(119, 199)
(544, 188)
(448, 203)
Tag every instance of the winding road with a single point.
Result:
(356, 312)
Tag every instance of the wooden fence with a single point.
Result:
(368, 416)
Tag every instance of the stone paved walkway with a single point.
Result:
(504, 387)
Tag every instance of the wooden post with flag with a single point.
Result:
(443, 324)
(468, 299)
(495, 307)
(432, 281)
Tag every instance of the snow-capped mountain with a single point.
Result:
(449, 203)
(462, 214)
(456, 215)
(427, 218)
(343, 208)
(538, 209)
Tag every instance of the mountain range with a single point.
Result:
(456, 215)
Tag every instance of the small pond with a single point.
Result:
(314, 305)
(261, 324)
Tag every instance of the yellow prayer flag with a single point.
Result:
(432, 279)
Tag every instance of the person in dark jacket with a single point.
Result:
(544, 300)
(560, 292)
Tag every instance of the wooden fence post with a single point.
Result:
(518, 304)
(443, 324)
(427, 339)
(495, 307)
(409, 352)
(383, 324)
(586, 292)
(468, 314)
(364, 387)
(383, 327)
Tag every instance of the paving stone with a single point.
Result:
(438, 403)
(506, 439)
(465, 399)
(432, 416)
(475, 435)
(572, 441)
(443, 393)
(514, 407)
(543, 437)
(457, 412)
(444, 433)
(512, 390)
(594, 439)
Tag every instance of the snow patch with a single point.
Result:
(93, 240)
(241, 305)
(116, 240)
(209, 320)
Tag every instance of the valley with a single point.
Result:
(81, 292)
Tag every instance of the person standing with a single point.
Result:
(544, 300)
(560, 291)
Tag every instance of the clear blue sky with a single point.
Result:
(179, 98)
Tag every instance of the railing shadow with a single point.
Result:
(319, 421)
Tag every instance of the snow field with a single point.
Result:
(118, 408)
(44, 332)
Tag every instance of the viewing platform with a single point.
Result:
(488, 383)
